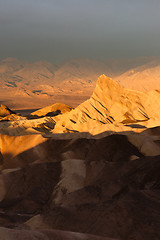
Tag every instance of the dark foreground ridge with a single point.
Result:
(88, 186)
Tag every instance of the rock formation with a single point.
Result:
(88, 173)
(5, 111)
(111, 106)
(52, 110)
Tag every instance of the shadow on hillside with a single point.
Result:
(115, 189)
(113, 147)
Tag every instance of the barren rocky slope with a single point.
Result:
(89, 173)
(142, 78)
(55, 109)
(110, 108)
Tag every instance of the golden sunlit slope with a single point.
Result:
(4, 111)
(111, 109)
(143, 78)
(110, 105)
(58, 108)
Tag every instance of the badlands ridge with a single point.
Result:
(86, 173)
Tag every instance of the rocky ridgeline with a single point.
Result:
(110, 108)
(86, 173)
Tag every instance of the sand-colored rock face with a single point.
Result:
(110, 105)
(12, 146)
(4, 111)
(55, 109)
(88, 173)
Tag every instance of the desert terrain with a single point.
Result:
(26, 85)
(85, 172)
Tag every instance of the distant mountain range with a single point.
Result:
(33, 85)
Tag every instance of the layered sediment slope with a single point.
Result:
(89, 173)
(111, 106)
(55, 109)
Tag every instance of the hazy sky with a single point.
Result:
(57, 30)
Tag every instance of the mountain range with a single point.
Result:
(25, 85)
